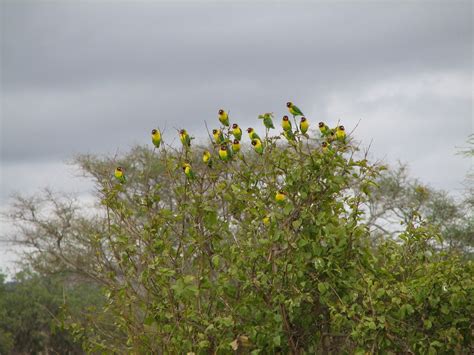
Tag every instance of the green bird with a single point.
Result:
(119, 175)
(218, 136)
(252, 133)
(257, 145)
(295, 111)
(224, 153)
(289, 135)
(286, 123)
(236, 131)
(156, 137)
(188, 171)
(267, 120)
(224, 117)
(236, 146)
(207, 158)
(184, 137)
(324, 147)
(304, 125)
(324, 129)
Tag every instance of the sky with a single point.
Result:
(96, 77)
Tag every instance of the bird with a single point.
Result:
(294, 110)
(224, 117)
(324, 129)
(280, 196)
(218, 136)
(236, 146)
(156, 137)
(224, 153)
(188, 171)
(184, 137)
(257, 145)
(267, 120)
(252, 133)
(207, 158)
(289, 135)
(236, 131)
(286, 123)
(341, 133)
(119, 175)
(324, 147)
(304, 125)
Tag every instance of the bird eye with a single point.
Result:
(223, 147)
(254, 142)
(221, 112)
(234, 125)
(182, 131)
(341, 128)
(324, 144)
(249, 129)
(119, 168)
(285, 118)
(303, 119)
(288, 104)
(236, 141)
(321, 124)
(214, 131)
(154, 131)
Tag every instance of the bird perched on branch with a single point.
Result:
(294, 110)
(218, 136)
(280, 196)
(224, 153)
(324, 129)
(286, 123)
(156, 137)
(236, 131)
(235, 146)
(120, 175)
(304, 125)
(184, 138)
(252, 133)
(224, 117)
(341, 133)
(207, 158)
(188, 171)
(267, 120)
(257, 145)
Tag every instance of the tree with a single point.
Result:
(213, 261)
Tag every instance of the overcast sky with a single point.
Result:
(94, 77)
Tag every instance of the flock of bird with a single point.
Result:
(226, 152)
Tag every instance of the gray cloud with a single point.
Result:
(94, 77)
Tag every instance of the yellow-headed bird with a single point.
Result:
(324, 129)
(324, 147)
(304, 125)
(119, 175)
(341, 133)
(280, 196)
(295, 111)
(156, 137)
(236, 146)
(252, 133)
(218, 136)
(257, 145)
(224, 153)
(184, 137)
(236, 131)
(207, 158)
(224, 117)
(286, 123)
(188, 171)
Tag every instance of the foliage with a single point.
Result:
(211, 262)
(29, 306)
